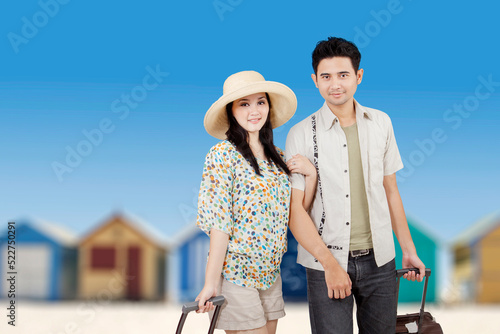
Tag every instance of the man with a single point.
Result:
(346, 243)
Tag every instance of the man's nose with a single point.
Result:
(335, 83)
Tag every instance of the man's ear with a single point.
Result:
(359, 75)
(314, 78)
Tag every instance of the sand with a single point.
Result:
(87, 317)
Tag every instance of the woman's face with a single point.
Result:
(251, 112)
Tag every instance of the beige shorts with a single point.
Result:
(249, 308)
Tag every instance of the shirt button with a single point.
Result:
(345, 171)
(345, 145)
(346, 195)
(347, 223)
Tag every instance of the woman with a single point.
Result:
(244, 200)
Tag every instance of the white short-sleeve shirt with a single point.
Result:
(379, 157)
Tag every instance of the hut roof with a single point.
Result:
(478, 230)
(185, 234)
(424, 229)
(54, 231)
(137, 224)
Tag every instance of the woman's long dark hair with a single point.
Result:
(238, 136)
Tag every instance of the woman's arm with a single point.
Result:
(218, 248)
(302, 165)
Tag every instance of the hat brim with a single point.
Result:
(283, 106)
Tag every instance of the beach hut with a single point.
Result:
(427, 245)
(45, 256)
(190, 249)
(293, 275)
(122, 258)
(476, 267)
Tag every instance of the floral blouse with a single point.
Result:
(253, 210)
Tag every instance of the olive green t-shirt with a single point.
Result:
(361, 236)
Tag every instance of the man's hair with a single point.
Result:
(335, 47)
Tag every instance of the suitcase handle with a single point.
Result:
(193, 306)
(401, 272)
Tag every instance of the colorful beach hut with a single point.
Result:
(190, 251)
(45, 261)
(124, 257)
(427, 245)
(476, 268)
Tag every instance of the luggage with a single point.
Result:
(422, 322)
(193, 306)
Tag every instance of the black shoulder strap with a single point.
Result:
(315, 148)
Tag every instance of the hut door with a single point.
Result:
(133, 273)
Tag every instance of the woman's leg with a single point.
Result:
(262, 330)
(271, 326)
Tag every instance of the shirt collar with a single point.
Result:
(329, 119)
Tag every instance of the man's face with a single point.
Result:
(337, 81)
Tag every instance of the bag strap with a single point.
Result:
(316, 157)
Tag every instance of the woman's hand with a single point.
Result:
(205, 294)
(301, 165)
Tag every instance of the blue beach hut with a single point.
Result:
(191, 247)
(45, 261)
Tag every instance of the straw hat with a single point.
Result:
(241, 84)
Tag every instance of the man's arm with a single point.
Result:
(304, 231)
(310, 191)
(400, 228)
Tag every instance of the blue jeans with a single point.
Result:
(373, 289)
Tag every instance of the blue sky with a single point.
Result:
(128, 84)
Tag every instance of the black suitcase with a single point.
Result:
(193, 306)
(422, 322)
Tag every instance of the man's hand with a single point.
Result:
(337, 281)
(413, 261)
